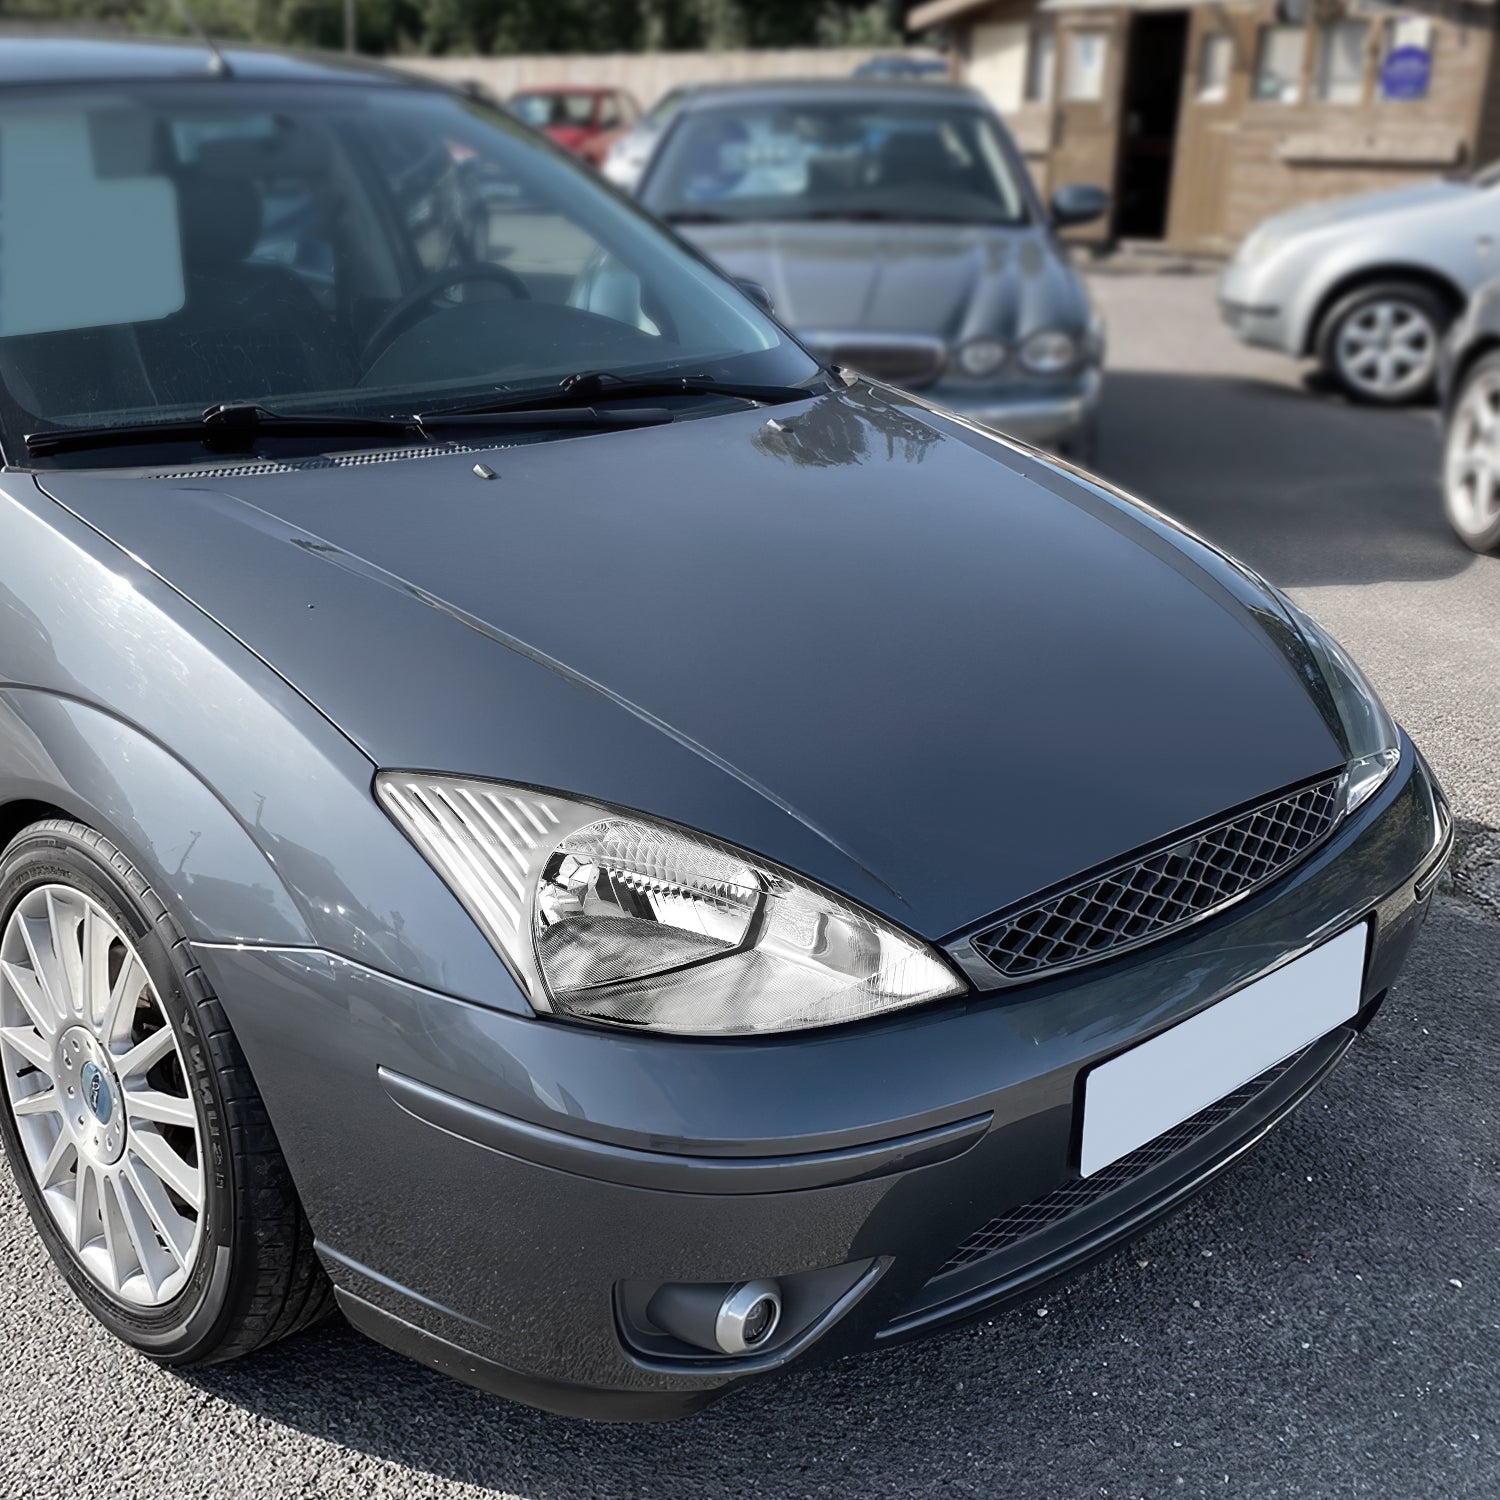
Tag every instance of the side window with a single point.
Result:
(1342, 48)
(609, 112)
(1083, 79)
(1214, 64)
(1278, 63)
(1041, 60)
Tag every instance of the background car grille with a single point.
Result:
(911, 363)
(1146, 898)
(1030, 1218)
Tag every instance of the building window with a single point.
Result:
(1083, 82)
(1040, 62)
(1278, 63)
(1214, 64)
(1340, 76)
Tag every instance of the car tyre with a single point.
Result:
(1471, 458)
(1381, 343)
(184, 1285)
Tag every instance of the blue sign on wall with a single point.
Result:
(1405, 73)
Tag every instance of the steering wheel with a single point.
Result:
(412, 308)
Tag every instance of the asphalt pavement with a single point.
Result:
(1323, 1321)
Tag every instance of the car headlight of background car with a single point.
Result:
(982, 356)
(1260, 245)
(611, 917)
(1374, 744)
(1050, 351)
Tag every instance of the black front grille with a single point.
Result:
(1147, 897)
(1041, 1213)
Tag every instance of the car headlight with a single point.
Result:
(1260, 245)
(610, 917)
(981, 356)
(1049, 351)
(1371, 740)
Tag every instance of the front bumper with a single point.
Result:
(486, 1188)
(1060, 420)
(1253, 312)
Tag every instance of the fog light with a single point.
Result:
(733, 1319)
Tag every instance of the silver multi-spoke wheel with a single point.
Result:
(1387, 349)
(1471, 469)
(96, 1083)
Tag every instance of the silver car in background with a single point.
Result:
(895, 229)
(1369, 285)
(627, 158)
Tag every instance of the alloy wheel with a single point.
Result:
(1387, 349)
(94, 1077)
(1472, 464)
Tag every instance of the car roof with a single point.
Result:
(73, 59)
(859, 91)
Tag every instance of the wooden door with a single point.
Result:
(1215, 88)
(1090, 69)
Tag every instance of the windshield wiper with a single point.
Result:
(579, 391)
(226, 428)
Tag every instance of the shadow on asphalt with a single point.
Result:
(1318, 1322)
(1304, 486)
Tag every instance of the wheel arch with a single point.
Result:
(61, 758)
(1424, 276)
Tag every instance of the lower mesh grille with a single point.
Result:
(1148, 897)
(1041, 1213)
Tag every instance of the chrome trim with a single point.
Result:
(734, 1313)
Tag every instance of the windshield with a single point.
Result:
(359, 249)
(542, 110)
(837, 160)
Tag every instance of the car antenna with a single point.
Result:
(218, 64)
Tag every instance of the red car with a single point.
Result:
(585, 121)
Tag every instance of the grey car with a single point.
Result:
(895, 228)
(536, 814)
(1369, 285)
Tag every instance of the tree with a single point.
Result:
(488, 26)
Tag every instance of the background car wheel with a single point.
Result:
(1381, 342)
(1471, 461)
(128, 1116)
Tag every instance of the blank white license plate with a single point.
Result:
(1133, 1098)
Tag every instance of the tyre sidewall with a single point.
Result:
(1487, 540)
(175, 1332)
(1416, 296)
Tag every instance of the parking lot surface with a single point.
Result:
(1324, 1320)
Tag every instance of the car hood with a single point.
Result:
(950, 281)
(1436, 192)
(932, 671)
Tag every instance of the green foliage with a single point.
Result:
(501, 26)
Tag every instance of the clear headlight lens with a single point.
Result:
(982, 356)
(1260, 245)
(608, 917)
(1370, 734)
(1049, 351)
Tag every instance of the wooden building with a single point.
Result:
(1204, 118)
